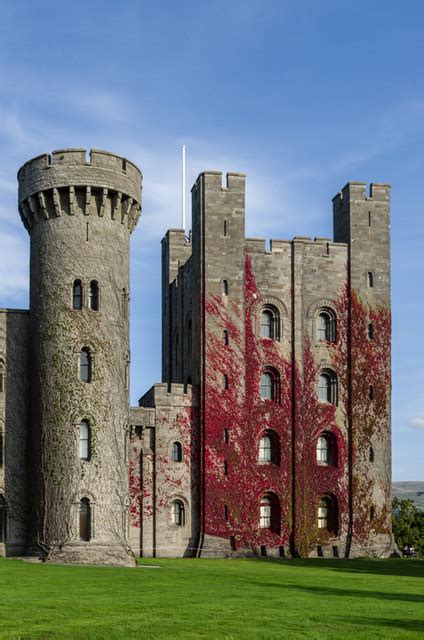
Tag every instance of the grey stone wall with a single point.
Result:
(14, 365)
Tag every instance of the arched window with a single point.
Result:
(269, 385)
(3, 519)
(269, 450)
(85, 520)
(265, 449)
(225, 338)
(178, 513)
(225, 288)
(269, 513)
(270, 323)
(77, 295)
(85, 362)
(327, 514)
(93, 296)
(265, 513)
(327, 449)
(370, 279)
(177, 452)
(84, 440)
(328, 387)
(326, 326)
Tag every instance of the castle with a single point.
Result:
(270, 431)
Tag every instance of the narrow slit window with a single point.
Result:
(370, 331)
(85, 520)
(225, 227)
(84, 440)
(370, 279)
(371, 392)
(94, 295)
(225, 382)
(225, 338)
(77, 295)
(226, 436)
(85, 365)
(225, 288)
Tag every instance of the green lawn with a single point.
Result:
(215, 599)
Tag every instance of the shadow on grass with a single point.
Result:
(409, 625)
(413, 568)
(351, 593)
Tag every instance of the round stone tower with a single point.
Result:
(80, 214)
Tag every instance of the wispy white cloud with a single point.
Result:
(416, 423)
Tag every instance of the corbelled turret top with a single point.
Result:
(64, 182)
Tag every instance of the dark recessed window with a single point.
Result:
(93, 297)
(327, 514)
(225, 338)
(370, 331)
(85, 520)
(77, 295)
(225, 288)
(85, 365)
(177, 452)
(370, 279)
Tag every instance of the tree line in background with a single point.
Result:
(408, 527)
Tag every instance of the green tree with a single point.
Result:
(408, 525)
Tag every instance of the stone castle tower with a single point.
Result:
(79, 215)
(270, 431)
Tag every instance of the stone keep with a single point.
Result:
(80, 215)
(214, 461)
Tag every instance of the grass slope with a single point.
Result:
(215, 599)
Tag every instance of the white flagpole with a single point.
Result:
(183, 199)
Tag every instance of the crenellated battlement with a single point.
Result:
(65, 182)
(358, 191)
(213, 180)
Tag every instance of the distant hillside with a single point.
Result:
(412, 490)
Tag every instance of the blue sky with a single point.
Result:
(302, 96)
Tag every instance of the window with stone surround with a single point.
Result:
(85, 520)
(85, 365)
(84, 440)
(178, 513)
(326, 326)
(327, 514)
(177, 452)
(270, 323)
(94, 296)
(77, 295)
(270, 385)
(328, 387)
